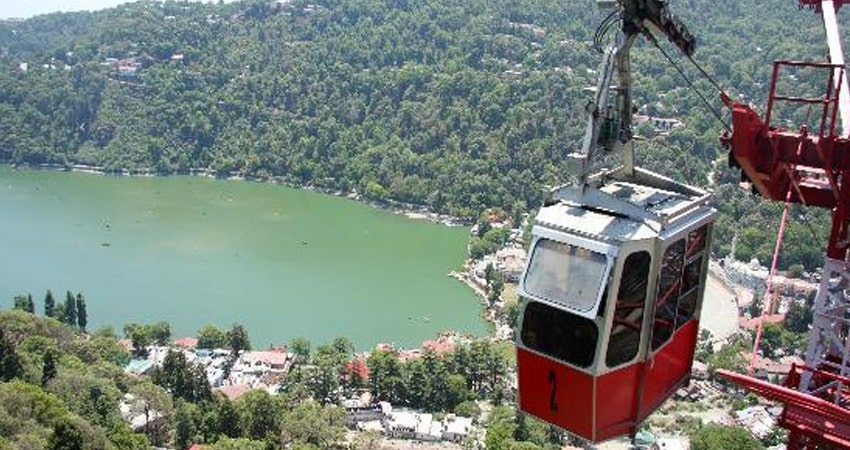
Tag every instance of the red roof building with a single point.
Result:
(439, 347)
(235, 391)
(186, 343)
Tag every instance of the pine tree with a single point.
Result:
(201, 390)
(49, 304)
(10, 364)
(70, 309)
(237, 337)
(30, 305)
(48, 368)
(20, 303)
(82, 315)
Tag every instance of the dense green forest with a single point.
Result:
(61, 389)
(459, 106)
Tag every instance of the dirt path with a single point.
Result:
(719, 309)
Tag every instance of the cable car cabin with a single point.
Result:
(611, 298)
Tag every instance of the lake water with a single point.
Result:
(193, 251)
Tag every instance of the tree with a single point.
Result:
(140, 335)
(19, 302)
(704, 346)
(468, 409)
(728, 357)
(500, 429)
(489, 273)
(323, 377)
(10, 363)
(799, 316)
(310, 423)
(511, 311)
(174, 376)
(82, 315)
(385, 380)
(796, 271)
(496, 287)
(24, 303)
(775, 340)
(49, 304)
(70, 309)
(228, 418)
(66, 436)
(48, 367)
(160, 333)
(237, 339)
(186, 418)
(152, 401)
(300, 347)
(258, 415)
(201, 389)
(721, 437)
(343, 347)
(211, 336)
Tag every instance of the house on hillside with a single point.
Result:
(456, 428)
(276, 360)
(356, 414)
(401, 424)
(186, 343)
(428, 429)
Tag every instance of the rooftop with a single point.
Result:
(234, 391)
(186, 342)
(269, 357)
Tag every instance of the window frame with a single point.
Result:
(688, 257)
(610, 252)
(640, 323)
(548, 351)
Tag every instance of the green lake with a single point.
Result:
(194, 251)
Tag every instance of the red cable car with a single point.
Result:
(611, 299)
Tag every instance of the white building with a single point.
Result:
(455, 428)
(401, 424)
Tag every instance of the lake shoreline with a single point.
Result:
(409, 210)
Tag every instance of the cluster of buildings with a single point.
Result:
(444, 344)
(124, 67)
(264, 369)
(406, 424)
(261, 369)
(536, 31)
(661, 125)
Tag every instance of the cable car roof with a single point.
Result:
(594, 224)
(618, 210)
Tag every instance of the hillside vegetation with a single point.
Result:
(455, 105)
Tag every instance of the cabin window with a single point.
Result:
(669, 282)
(559, 334)
(624, 341)
(679, 285)
(565, 274)
(692, 275)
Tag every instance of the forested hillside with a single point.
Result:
(455, 105)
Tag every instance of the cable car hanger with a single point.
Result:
(609, 124)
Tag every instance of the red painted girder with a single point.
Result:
(814, 417)
(767, 155)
